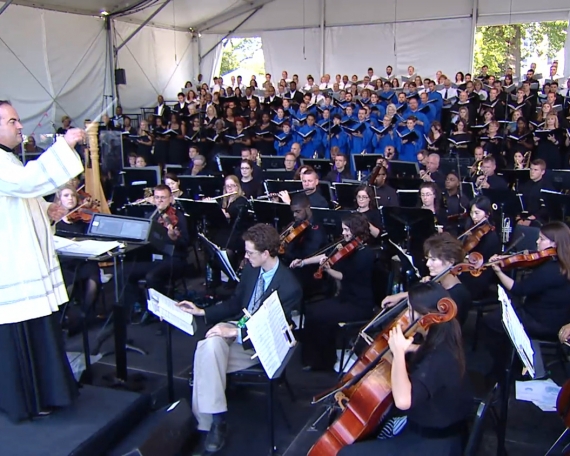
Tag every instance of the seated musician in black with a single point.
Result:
(76, 271)
(385, 194)
(354, 302)
(537, 213)
(545, 289)
(429, 386)
(489, 179)
(442, 251)
(455, 203)
(480, 215)
(366, 205)
(170, 262)
(310, 181)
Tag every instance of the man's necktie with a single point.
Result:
(257, 294)
(445, 96)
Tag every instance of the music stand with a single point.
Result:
(325, 189)
(322, 166)
(174, 169)
(271, 162)
(448, 164)
(210, 212)
(507, 205)
(274, 186)
(468, 190)
(200, 186)
(219, 257)
(560, 178)
(148, 176)
(404, 169)
(276, 174)
(557, 204)
(346, 194)
(408, 198)
(228, 164)
(404, 183)
(364, 163)
(418, 224)
(273, 213)
(516, 177)
(331, 220)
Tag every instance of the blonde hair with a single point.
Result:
(230, 199)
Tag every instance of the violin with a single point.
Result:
(472, 237)
(365, 394)
(291, 233)
(519, 260)
(168, 217)
(82, 213)
(338, 255)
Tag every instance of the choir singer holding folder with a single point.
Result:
(224, 349)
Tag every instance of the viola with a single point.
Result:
(519, 260)
(366, 392)
(338, 255)
(474, 235)
(291, 233)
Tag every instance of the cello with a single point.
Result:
(367, 396)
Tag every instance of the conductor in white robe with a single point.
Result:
(35, 376)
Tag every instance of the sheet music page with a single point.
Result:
(516, 332)
(165, 308)
(408, 257)
(88, 247)
(267, 330)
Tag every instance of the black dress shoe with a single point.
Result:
(216, 438)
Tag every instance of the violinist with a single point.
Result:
(429, 386)
(366, 204)
(430, 198)
(545, 289)
(74, 270)
(482, 239)
(168, 264)
(354, 302)
(442, 252)
(385, 194)
(536, 213)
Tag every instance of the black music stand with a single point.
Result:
(346, 195)
(175, 169)
(404, 183)
(364, 163)
(408, 198)
(558, 204)
(200, 186)
(408, 225)
(468, 190)
(322, 166)
(331, 220)
(228, 164)
(272, 162)
(560, 178)
(506, 206)
(276, 174)
(273, 213)
(448, 164)
(516, 177)
(273, 186)
(148, 176)
(210, 212)
(325, 189)
(404, 169)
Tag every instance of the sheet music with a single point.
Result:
(516, 332)
(166, 309)
(223, 255)
(269, 332)
(86, 248)
(408, 257)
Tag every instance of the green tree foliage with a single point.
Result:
(236, 51)
(501, 46)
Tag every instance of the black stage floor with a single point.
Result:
(530, 431)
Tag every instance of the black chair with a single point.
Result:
(482, 307)
(256, 376)
(554, 349)
(484, 408)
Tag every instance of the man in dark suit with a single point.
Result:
(162, 110)
(224, 349)
(294, 94)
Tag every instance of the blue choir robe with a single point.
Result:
(387, 97)
(438, 103)
(409, 151)
(283, 147)
(421, 117)
(341, 140)
(430, 113)
(389, 139)
(313, 143)
(364, 143)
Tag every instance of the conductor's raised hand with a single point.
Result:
(74, 136)
(190, 307)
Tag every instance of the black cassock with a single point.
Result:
(35, 374)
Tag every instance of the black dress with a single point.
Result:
(479, 286)
(550, 152)
(178, 149)
(462, 297)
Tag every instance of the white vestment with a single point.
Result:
(31, 284)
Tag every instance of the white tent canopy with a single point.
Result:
(58, 55)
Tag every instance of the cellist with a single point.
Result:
(354, 302)
(546, 290)
(429, 386)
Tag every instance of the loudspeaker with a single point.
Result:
(168, 437)
(120, 76)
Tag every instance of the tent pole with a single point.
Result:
(5, 5)
(474, 17)
(145, 22)
(323, 11)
